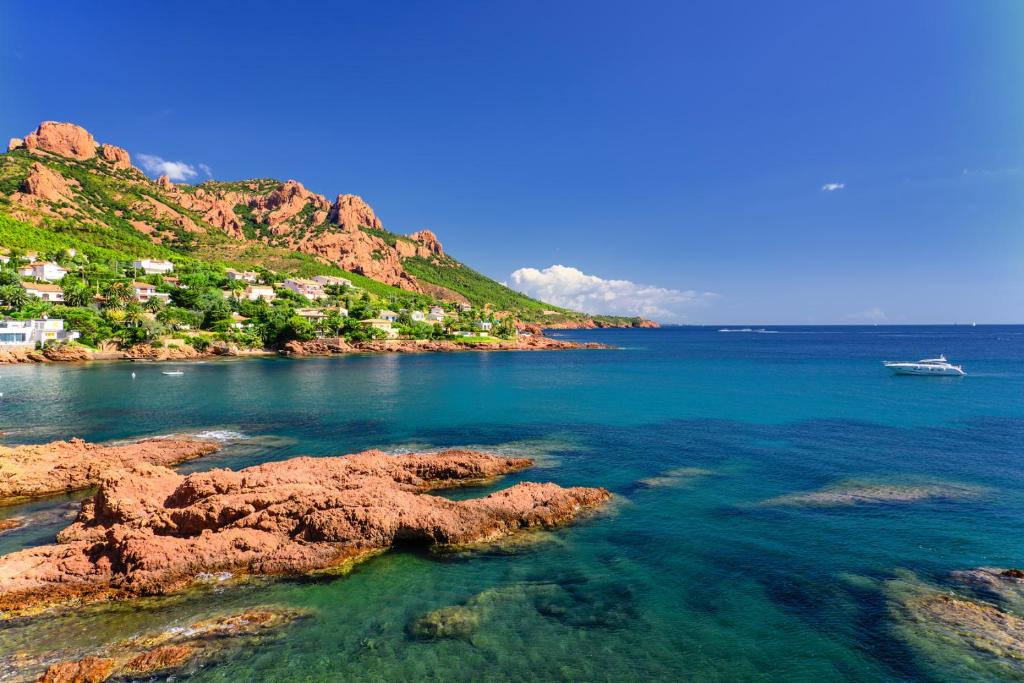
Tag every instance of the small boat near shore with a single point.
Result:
(173, 372)
(935, 367)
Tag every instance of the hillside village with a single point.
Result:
(64, 296)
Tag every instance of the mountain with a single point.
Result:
(61, 179)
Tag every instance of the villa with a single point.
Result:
(242, 275)
(311, 314)
(311, 289)
(390, 316)
(465, 308)
(153, 266)
(483, 325)
(264, 292)
(31, 332)
(43, 270)
(418, 316)
(331, 280)
(240, 322)
(43, 291)
(144, 292)
(382, 325)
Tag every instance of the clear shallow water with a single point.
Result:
(690, 578)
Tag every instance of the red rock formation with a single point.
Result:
(15, 143)
(287, 201)
(85, 670)
(349, 211)
(117, 156)
(165, 183)
(60, 466)
(429, 241)
(43, 183)
(64, 139)
(150, 531)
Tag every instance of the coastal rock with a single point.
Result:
(61, 466)
(63, 139)
(117, 156)
(151, 531)
(43, 183)
(349, 211)
(67, 353)
(85, 670)
(866, 493)
(150, 352)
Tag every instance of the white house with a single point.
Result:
(242, 275)
(153, 266)
(44, 291)
(313, 315)
(418, 316)
(43, 270)
(390, 316)
(326, 280)
(240, 322)
(484, 325)
(265, 292)
(29, 332)
(465, 308)
(311, 289)
(382, 325)
(144, 292)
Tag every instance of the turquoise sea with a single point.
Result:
(698, 571)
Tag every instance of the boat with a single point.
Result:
(173, 372)
(926, 366)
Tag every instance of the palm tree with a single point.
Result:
(14, 296)
(77, 294)
(120, 293)
(134, 314)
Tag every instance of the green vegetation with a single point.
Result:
(390, 238)
(479, 289)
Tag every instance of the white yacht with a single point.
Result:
(926, 366)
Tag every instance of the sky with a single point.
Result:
(707, 162)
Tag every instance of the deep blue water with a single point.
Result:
(690, 576)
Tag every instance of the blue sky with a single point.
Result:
(670, 156)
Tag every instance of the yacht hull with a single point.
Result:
(925, 370)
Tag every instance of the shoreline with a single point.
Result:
(330, 346)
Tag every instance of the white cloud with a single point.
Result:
(177, 171)
(870, 315)
(571, 288)
(206, 169)
(833, 187)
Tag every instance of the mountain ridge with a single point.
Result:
(60, 173)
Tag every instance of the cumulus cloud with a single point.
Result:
(833, 187)
(572, 288)
(177, 171)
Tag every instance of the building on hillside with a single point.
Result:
(418, 316)
(44, 291)
(331, 280)
(153, 266)
(30, 332)
(462, 333)
(382, 325)
(43, 270)
(240, 322)
(311, 289)
(313, 315)
(390, 316)
(5, 255)
(435, 317)
(144, 291)
(465, 308)
(484, 325)
(174, 282)
(264, 292)
(249, 276)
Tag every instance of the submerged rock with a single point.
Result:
(457, 621)
(151, 531)
(863, 493)
(62, 466)
(957, 634)
(169, 651)
(677, 476)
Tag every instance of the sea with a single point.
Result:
(783, 504)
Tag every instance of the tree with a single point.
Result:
(76, 293)
(14, 296)
(134, 314)
(119, 294)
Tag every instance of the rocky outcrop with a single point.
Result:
(62, 139)
(151, 531)
(15, 143)
(43, 183)
(67, 353)
(349, 211)
(534, 343)
(117, 156)
(149, 352)
(287, 201)
(165, 183)
(62, 466)
(428, 240)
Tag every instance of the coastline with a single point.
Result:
(318, 347)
